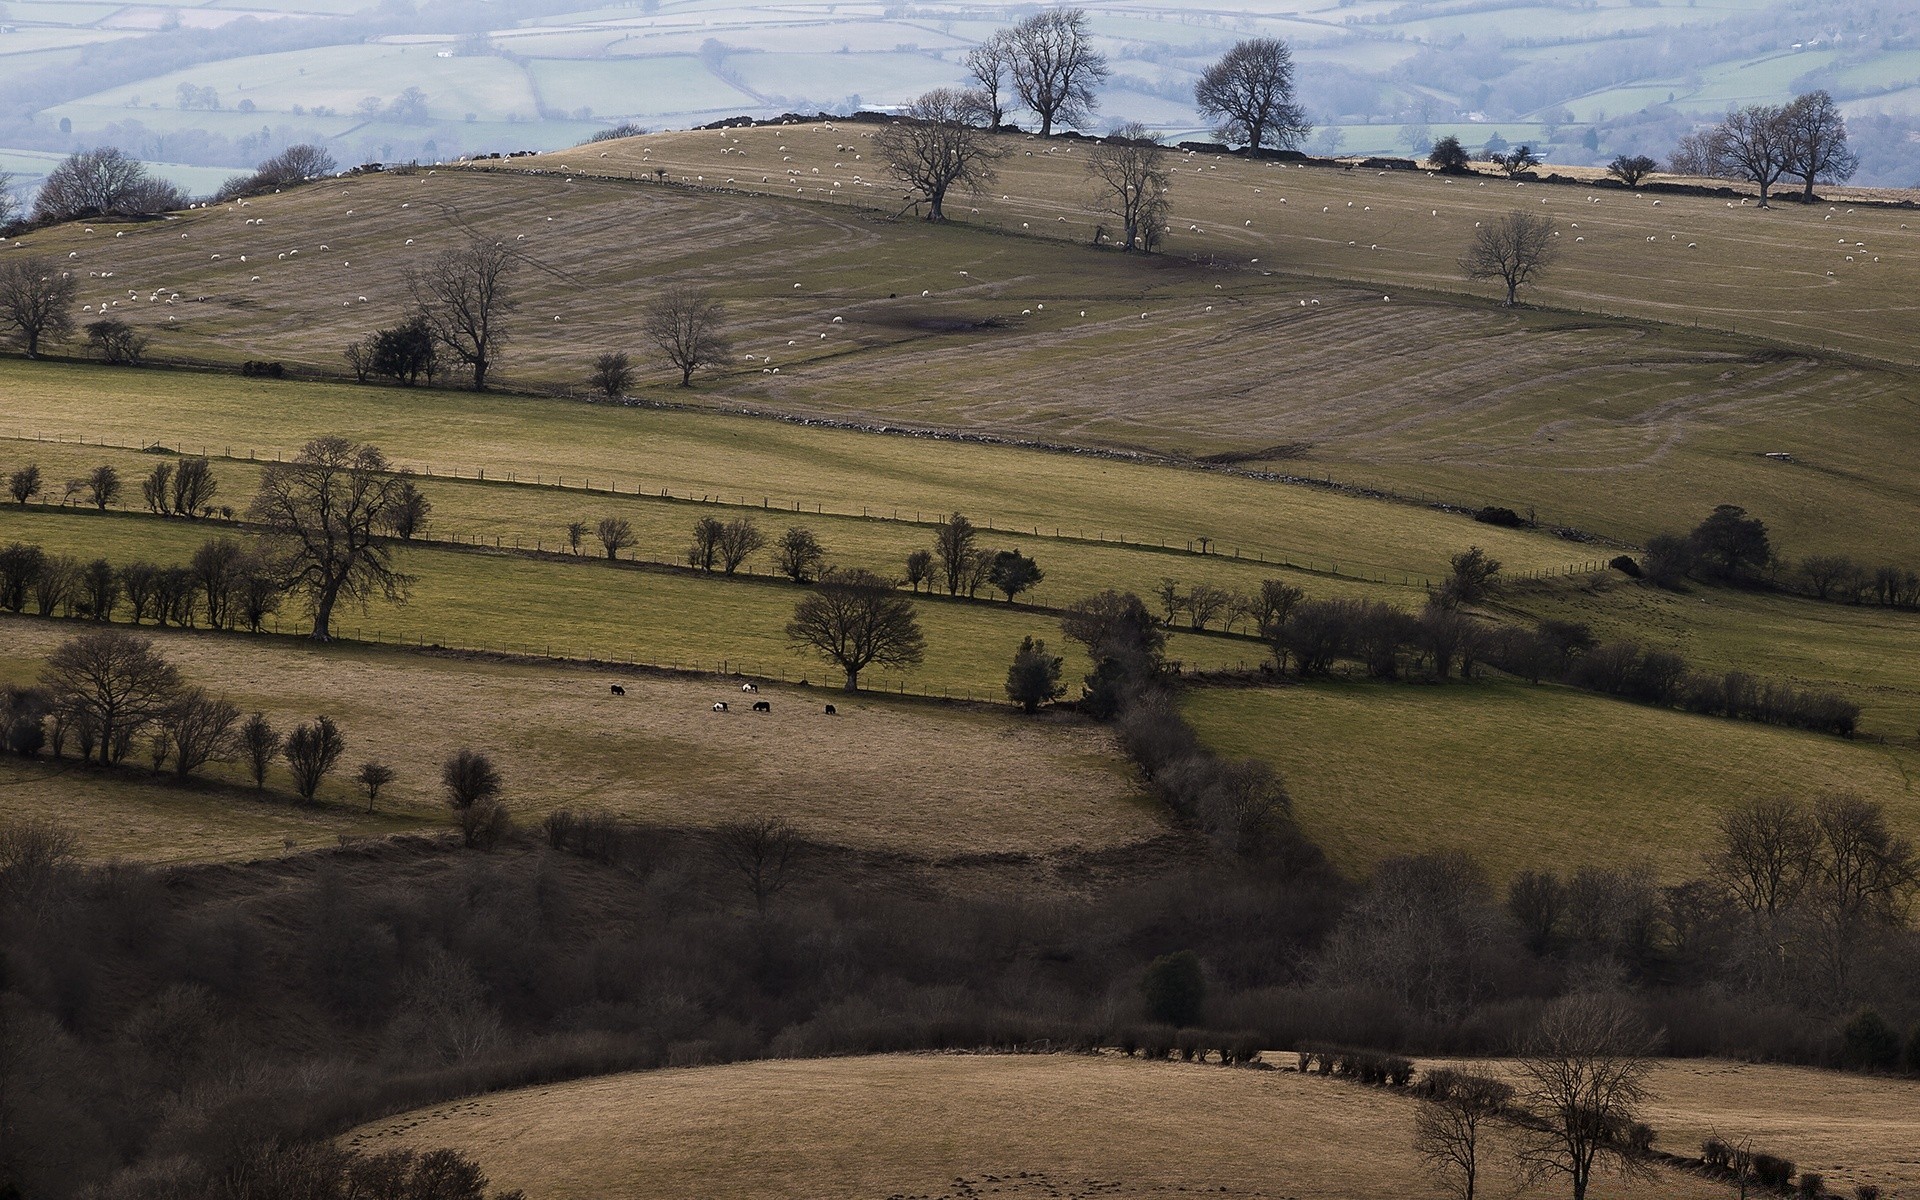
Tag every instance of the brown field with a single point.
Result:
(1584, 417)
(949, 1126)
(928, 780)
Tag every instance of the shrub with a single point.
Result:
(1504, 517)
(1868, 1043)
(1866, 1191)
(1624, 564)
(1813, 1185)
(484, 823)
(1175, 989)
(312, 751)
(1716, 1154)
(1771, 1171)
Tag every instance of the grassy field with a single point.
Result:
(924, 780)
(1106, 1127)
(1524, 777)
(1584, 418)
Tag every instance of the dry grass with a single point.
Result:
(1526, 777)
(902, 776)
(1019, 1127)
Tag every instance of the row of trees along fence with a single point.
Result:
(1359, 571)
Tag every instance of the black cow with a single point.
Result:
(618, 690)
(831, 710)
(762, 706)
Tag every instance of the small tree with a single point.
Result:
(801, 556)
(156, 489)
(410, 511)
(1034, 677)
(1205, 602)
(1631, 169)
(405, 352)
(312, 751)
(1450, 1129)
(36, 300)
(24, 484)
(1449, 156)
(854, 618)
(762, 850)
(103, 486)
(688, 326)
(1175, 989)
(953, 544)
(465, 296)
(1520, 158)
(194, 487)
(612, 375)
(934, 147)
(616, 534)
(1583, 1073)
(919, 568)
(201, 730)
(576, 533)
(373, 776)
(259, 746)
(1130, 181)
(739, 540)
(1730, 545)
(1476, 575)
(117, 342)
(989, 65)
(1817, 142)
(1012, 572)
(473, 788)
(1513, 249)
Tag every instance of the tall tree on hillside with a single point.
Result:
(1753, 143)
(1249, 96)
(326, 512)
(934, 147)
(36, 300)
(465, 296)
(1512, 249)
(1817, 142)
(953, 544)
(990, 66)
(688, 326)
(855, 619)
(1056, 70)
(1130, 178)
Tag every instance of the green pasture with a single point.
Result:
(1528, 777)
(751, 461)
(587, 609)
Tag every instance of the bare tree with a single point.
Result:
(36, 300)
(373, 776)
(410, 511)
(616, 534)
(1205, 602)
(24, 484)
(103, 486)
(1451, 1128)
(216, 567)
(1864, 879)
(464, 295)
(854, 618)
(576, 533)
(325, 512)
(194, 487)
(920, 569)
(801, 555)
(470, 778)
(1583, 1078)
(612, 375)
(1249, 95)
(201, 730)
(1056, 70)
(762, 850)
(1765, 856)
(1753, 143)
(259, 746)
(933, 147)
(990, 66)
(739, 539)
(1130, 181)
(9, 200)
(1631, 169)
(686, 324)
(953, 545)
(704, 551)
(114, 682)
(1817, 142)
(312, 751)
(102, 182)
(1512, 249)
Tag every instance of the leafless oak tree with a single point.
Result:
(1753, 143)
(615, 533)
(854, 618)
(762, 850)
(102, 182)
(1583, 1078)
(1452, 1128)
(1056, 70)
(36, 300)
(465, 296)
(115, 682)
(687, 324)
(1130, 181)
(1817, 141)
(934, 147)
(1512, 249)
(1765, 857)
(990, 66)
(1249, 94)
(325, 512)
